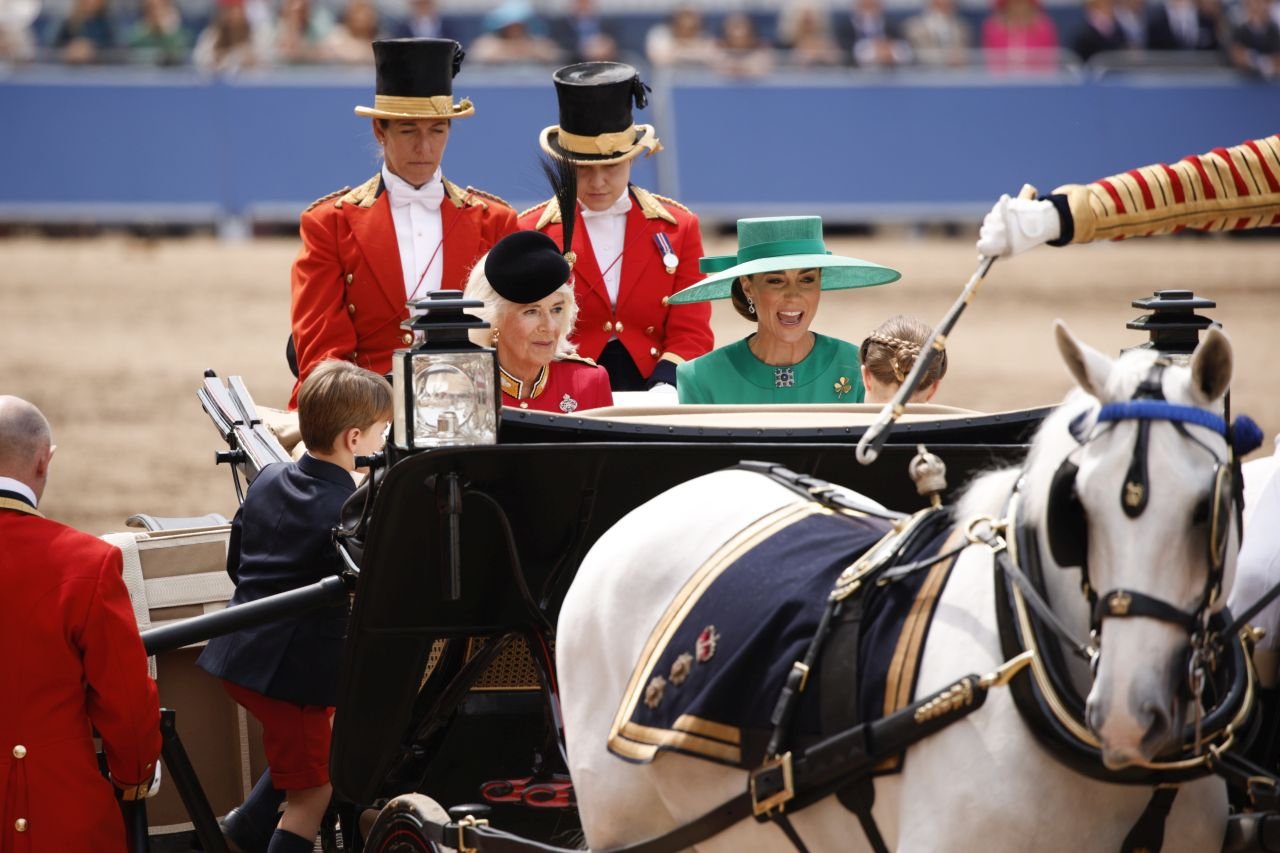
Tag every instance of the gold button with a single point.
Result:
(653, 351)
(665, 301)
(408, 338)
(617, 327)
(351, 309)
(649, 331)
(20, 824)
(524, 405)
(349, 278)
(608, 327)
(19, 751)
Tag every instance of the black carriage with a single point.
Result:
(461, 557)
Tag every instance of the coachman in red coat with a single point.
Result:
(368, 251)
(73, 663)
(633, 248)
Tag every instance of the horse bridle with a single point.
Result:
(1066, 515)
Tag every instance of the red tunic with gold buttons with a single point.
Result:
(649, 328)
(73, 662)
(348, 284)
(564, 386)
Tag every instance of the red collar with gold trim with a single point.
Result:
(513, 387)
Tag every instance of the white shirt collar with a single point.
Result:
(430, 193)
(9, 484)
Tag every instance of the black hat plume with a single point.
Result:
(563, 176)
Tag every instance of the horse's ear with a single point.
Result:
(1211, 366)
(1090, 367)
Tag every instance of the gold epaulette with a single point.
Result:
(537, 206)
(573, 356)
(550, 214)
(499, 199)
(672, 202)
(651, 205)
(468, 197)
(364, 195)
(325, 198)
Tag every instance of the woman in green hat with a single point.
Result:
(776, 280)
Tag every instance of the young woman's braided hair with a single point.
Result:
(892, 349)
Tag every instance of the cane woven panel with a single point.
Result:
(512, 669)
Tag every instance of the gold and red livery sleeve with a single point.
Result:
(1223, 190)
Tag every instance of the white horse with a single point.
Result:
(984, 783)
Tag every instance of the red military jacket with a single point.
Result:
(642, 320)
(564, 386)
(348, 284)
(72, 662)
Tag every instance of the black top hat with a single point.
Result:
(525, 266)
(415, 79)
(596, 125)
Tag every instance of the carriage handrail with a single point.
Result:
(197, 629)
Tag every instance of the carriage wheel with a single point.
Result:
(400, 827)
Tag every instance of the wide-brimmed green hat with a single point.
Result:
(775, 243)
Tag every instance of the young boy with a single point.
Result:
(285, 673)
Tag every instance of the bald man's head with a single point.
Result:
(26, 443)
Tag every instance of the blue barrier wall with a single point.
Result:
(180, 147)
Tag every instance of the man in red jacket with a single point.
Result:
(368, 251)
(1225, 189)
(73, 662)
(633, 248)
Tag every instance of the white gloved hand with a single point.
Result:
(1017, 224)
(662, 388)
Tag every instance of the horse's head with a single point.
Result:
(1151, 478)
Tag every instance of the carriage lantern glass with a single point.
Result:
(446, 387)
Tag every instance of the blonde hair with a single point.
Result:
(337, 396)
(891, 351)
(496, 307)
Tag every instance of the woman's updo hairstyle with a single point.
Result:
(891, 351)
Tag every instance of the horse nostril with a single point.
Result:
(1156, 721)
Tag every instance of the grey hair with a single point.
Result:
(497, 307)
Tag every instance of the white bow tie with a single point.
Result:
(619, 208)
(428, 195)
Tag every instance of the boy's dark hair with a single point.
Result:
(337, 396)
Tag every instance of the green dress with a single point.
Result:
(733, 375)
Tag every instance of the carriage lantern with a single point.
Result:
(1173, 324)
(446, 387)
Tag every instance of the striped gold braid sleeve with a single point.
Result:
(1223, 190)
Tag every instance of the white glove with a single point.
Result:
(1017, 224)
(662, 388)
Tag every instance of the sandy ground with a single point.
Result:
(110, 337)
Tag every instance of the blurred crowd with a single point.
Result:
(1016, 36)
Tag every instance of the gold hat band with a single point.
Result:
(430, 107)
(605, 143)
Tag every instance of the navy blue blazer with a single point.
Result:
(281, 540)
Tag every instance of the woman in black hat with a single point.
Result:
(637, 248)
(401, 234)
(524, 283)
